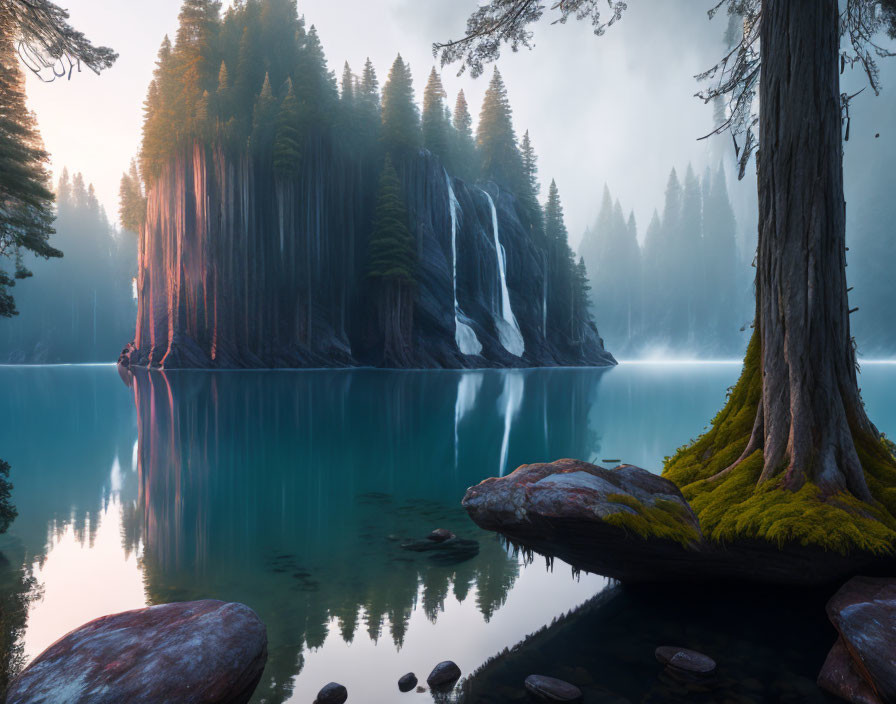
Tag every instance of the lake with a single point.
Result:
(293, 493)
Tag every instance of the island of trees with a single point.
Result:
(288, 218)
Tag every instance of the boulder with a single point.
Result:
(443, 675)
(552, 690)
(407, 682)
(686, 661)
(864, 613)
(191, 653)
(635, 526)
(840, 677)
(332, 693)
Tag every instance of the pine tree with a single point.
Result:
(554, 225)
(436, 126)
(264, 118)
(401, 120)
(26, 201)
(499, 155)
(194, 58)
(132, 201)
(391, 255)
(287, 142)
(531, 187)
(464, 159)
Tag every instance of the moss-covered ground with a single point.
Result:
(665, 519)
(735, 506)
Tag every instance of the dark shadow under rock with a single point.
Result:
(451, 551)
(769, 643)
(635, 526)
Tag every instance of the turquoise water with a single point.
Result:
(293, 491)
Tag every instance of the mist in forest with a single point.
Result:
(666, 228)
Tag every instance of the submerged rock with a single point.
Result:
(635, 526)
(440, 535)
(407, 682)
(447, 551)
(443, 675)
(551, 689)
(192, 653)
(864, 614)
(332, 693)
(687, 661)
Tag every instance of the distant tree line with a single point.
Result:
(683, 288)
(84, 303)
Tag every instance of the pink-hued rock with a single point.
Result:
(864, 613)
(840, 678)
(199, 652)
(574, 511)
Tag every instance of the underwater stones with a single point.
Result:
(407, 682)
(440, 535)
(443, 675)
(449, 550)
(332, 693)
(552, 690)
(194, 653)
(682, 660)
(864, 613)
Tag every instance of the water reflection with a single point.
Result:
(293, 491)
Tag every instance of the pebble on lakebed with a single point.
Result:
(407, 682)
(332, 693)
(552, 689)
(443, 675)
(686, 661)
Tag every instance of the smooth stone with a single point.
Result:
(332, 693)
(864, 613)
(552, 689)
(199, 652)
(443, 675)
(839, 677)
(684, 660)
(440, 535)
(407, 682)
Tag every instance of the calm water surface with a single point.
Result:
(292, 492)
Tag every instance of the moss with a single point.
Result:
(736, 506)
(665, 519)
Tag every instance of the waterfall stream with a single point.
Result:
(464, 335)
(508, 327)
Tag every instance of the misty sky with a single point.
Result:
(618, 108)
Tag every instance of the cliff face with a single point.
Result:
(240, 268)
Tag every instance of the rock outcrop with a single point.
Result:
(861, 667)
(238, 268)
(193, 653)
(632, 525)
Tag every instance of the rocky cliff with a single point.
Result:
(241, 268)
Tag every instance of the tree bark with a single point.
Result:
(811, 409)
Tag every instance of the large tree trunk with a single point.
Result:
(810, 409)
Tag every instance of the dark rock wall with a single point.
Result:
(240, 268)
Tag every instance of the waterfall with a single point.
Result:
(508, 328)
(464, 335)
(511, 400)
